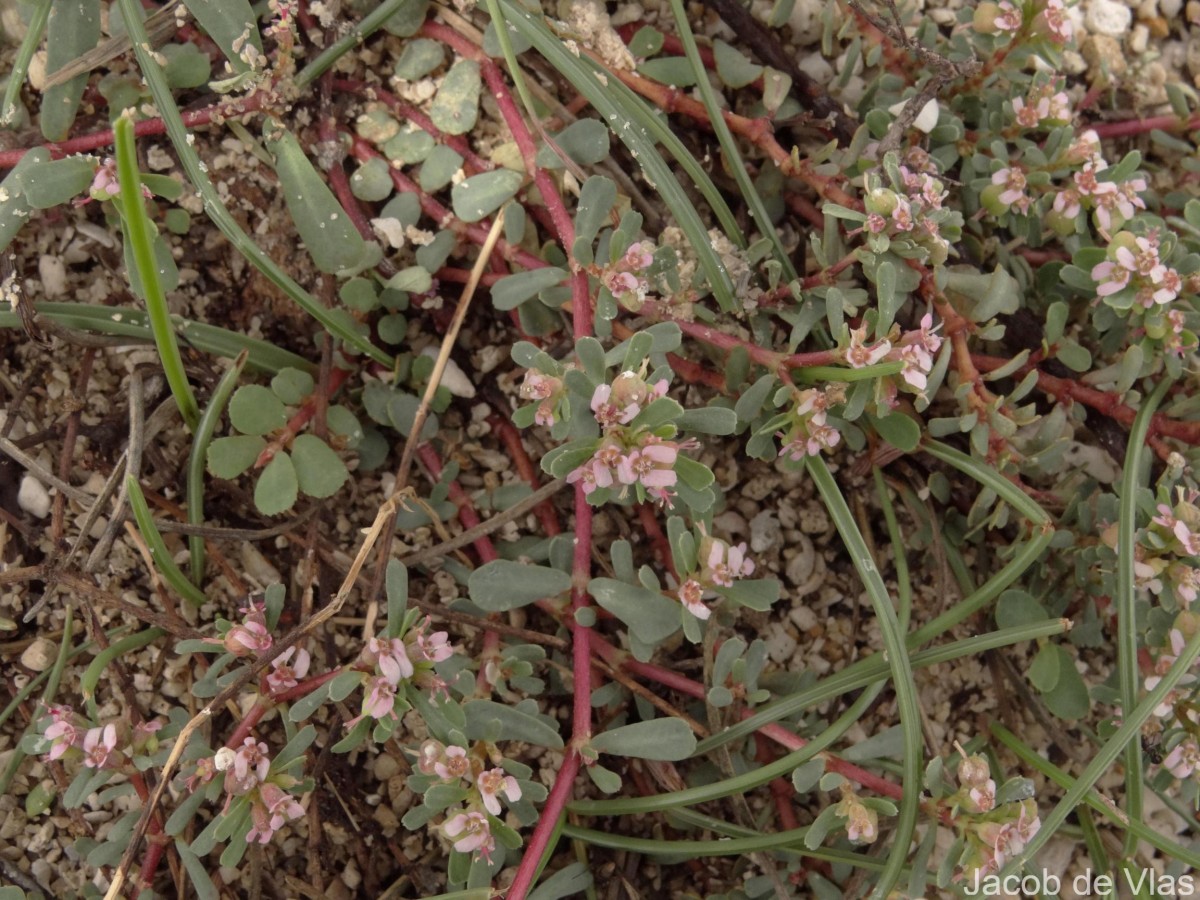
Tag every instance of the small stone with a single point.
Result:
(781, 645)
(816, 67)
(39, 655)
(801, 566)
(1139, 38)
(1192, 11)
(805, 21)
(33, 497)
(804, 618)
(1107, 17)
(454, 379)
(926, 119)
(765, 532)
(351, 877)
(1147, 9)
(1169, 9)
(385, 766)
(53, 273)
(1073, 62)
(1193, 56)
(258, 567)
(1104, 53)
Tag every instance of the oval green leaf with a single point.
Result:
(320, 472)
(276, 490)
(502, 585)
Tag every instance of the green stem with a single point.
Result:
(170, 572)
(152, 72)
(141, 243)
(198, 458)
(1127, 632)
(901, 672)
(989, 477)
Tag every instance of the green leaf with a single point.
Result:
(197, 872)
(898, 430)
(439, 168)
(608, 781)
(414, 279)
(650, 615)
(758, 594)
(513, 290)
(488, 720)
(187, 66)
(647, 42)
(52, 183)
(806, 775)
(1016, 608)
(502, 584)
(1073, 355)
(708, 420)
(456, 106)
(1045, 669)
(228, 22)
(566, 882)
(402, 412)
(331, 238)
(14, 206)
(304, 708)
(596, 199)
(410, 146)
(320, 472)
(1068, 699)
(373, 181)
(72, 30)
(276, 490)
(396, 588)
(229, 457)
(255, 409)
(292, 386)
(674, 71)
(669, 740)
(480, 195)
(885, 289)
(585, 142)
(695, 475)
(749, 405)
(734, 69)
(419, 57)
(888, 743)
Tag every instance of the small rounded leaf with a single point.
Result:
(483, 194)
(229, 457)
(292, 386)
(319, 471)
(254, 409)
(276, 490)
(456, 105)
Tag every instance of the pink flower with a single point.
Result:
(1066, 203)
(260, 831)
(99, 746)
(607, 413)
(284, 676)
(725, 562)
(537, 386)
(1186, 582)
(1058, 26)
(282, 806)
(248, 637)
(1184, 758)
(858, 355)
(639, 256)
(1013, 180)
(433, 648)
(876, 224)
(391, 656)
(591, 475)
(902, 215)
(64, 732)
(453, 764)
(251, 762)
(1110, 278)
(652, 466)
(983, 797)
(691, 595)
(470, 833)
(494, 782)
(380, 700)
(1009, 18)
(1026, 116)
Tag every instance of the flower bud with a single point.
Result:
(1061, 225)
(989, 198)
(1125, 239)
(985, 18)
(882, 201)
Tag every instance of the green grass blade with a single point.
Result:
(639, 129)
(141, 239)
(135, 324)
(215, 207)
(985, 475)
(739, 784)
(170, 572)
(91, 675)
(1129, 680)
(361, 30)
(1094, 800)
(1130, 730)
(227, 22)
(903, 584)
(741, 174)
(20, 68)
(899, 664)
(198, 457)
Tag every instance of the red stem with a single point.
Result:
(297, 422)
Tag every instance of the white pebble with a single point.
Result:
(39, 655)
(805, 21)
(1170, 8)
(53, 274)
(765, 531)
(33, 497)
(454, 379)
(926, 119)
(781, 646)
(1108, 17)
(816, 67)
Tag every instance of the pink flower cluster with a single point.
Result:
(548, 391)
(1042, 106)
(809, 433)
(250, 636)
(469, 829)
(247, 770)
(721, 564)
(1113, 204)
(908, 214)
(1182, 523)
(626, 278)
(1136, 264)
(396, 660)
(1004, 839)
(1053, 21)
(101, 747)
(629, 457)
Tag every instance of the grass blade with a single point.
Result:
(158, 549)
